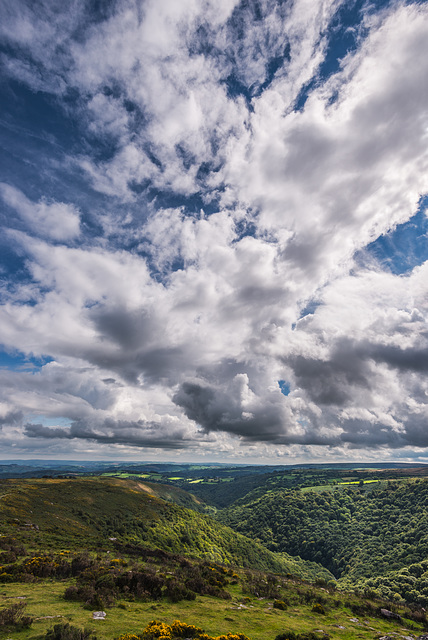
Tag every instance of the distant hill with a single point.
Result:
(248, 485)
(93, 512)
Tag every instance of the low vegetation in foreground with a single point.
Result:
(147, 594)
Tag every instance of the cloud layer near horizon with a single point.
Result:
(193, 194)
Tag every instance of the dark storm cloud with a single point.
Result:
(332, 381)
(361, 434)
(156, 364)
(416, 429)
(408, 359)
(135, 338)
(139, 433)
(220, 409)
(265, 419)
(129, 330)
(413, 432)
(11, 418)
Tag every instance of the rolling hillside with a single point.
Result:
(91, 512)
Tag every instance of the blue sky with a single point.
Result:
(214, 230)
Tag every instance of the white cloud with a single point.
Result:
(192, 318)
(54, 220)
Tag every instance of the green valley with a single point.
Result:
(370, 536)
(300, 554)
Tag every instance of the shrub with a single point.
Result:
(309, 635)
(318, 608)
(80, 563)
(156, 629)
(183, 630)
(176, 592)
(261, 586)
(44, 566)
(67, 632)
(7, 557)
(13, 616)
(280, 604)
(161, 631)
(72, 593)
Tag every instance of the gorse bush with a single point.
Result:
(157, 630)
(183, 630)
(37, 566)
(318, 608)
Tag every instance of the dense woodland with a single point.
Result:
(376, 538)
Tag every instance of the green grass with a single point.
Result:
(335, 485)
(256, 618)
(318, 489)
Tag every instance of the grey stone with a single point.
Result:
(98, 615)
(390, 615)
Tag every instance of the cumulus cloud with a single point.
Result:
(234, 172)
(54, 220)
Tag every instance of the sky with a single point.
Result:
(214, 230)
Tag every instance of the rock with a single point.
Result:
(397, 636)
(423, 637)
(390, 615)
(98, 615)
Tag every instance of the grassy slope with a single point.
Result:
(89, 511)
(256, 618)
